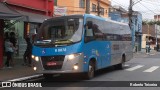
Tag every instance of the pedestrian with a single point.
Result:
(13, 40)
(9, 49)
(6, 36)
(28, 53)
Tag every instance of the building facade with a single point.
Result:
(42, 7)
(137, 28)
(151, 33)
(69, 7)
(116, 13)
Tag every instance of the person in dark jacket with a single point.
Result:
(13, 39)
(28, 53)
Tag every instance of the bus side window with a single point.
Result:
(89, 35)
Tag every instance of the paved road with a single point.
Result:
(138, 69)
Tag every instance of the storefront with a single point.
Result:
(5, 14)
(24, 19)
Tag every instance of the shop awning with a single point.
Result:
(12, 14)
(8, 13)
(32, 17)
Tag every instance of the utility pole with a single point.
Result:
(130, 14)
(157, 33)
(98, 8)
(88, 6)
(131, 24)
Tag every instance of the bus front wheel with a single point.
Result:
(91, 71)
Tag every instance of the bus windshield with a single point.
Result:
(60, 31)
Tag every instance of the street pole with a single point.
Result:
(148, 41)
(156, 34)
(156, 28)
(98, 8)
(148, 31)
(130, 23)
(88, 6)
(130, 14)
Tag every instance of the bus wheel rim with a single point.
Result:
(91, 71)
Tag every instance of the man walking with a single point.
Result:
(28, 53)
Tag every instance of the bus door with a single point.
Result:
(91, 48)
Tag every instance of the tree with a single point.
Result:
(150, 22)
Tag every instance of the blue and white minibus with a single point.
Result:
(80, 44)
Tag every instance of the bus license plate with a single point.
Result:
(51, 63)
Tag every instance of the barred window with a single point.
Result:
(93, 8)
(101, 11)
(81, 3)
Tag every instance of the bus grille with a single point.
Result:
(52, 62)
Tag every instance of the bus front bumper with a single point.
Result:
(67, 66)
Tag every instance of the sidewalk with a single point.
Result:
(143, 53)
(17, 71)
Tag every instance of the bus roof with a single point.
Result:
(88, 15)
(105, 19)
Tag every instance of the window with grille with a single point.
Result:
(93, 8)
(101, 11)
(81, 3)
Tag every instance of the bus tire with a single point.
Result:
(121, 65)
(91, 70)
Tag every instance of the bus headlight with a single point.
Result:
(32, 56)
(34, 68)
(37, 59)
(75, 67)
(72, 56)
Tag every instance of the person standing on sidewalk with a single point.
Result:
(147, 47)
(28, 53)
(13, 39)
(9, 49)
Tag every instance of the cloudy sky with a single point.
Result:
(148, 8)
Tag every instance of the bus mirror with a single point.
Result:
(89, 24)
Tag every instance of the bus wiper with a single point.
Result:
(63, 41)
(43, 41)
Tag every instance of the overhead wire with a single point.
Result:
(152, 9)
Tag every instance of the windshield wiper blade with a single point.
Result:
(63, 41)
(43, 41)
